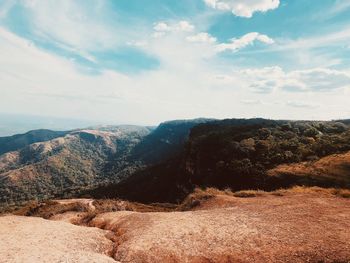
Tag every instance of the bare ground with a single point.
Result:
(301, 225)
(30, 239)
(298, 228)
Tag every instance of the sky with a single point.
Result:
(147, 61)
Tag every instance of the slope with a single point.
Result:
(16, 142)
(65, 165)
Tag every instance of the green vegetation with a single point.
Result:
(66, 166)
(165, 165)
(16, 142)
(237, 153)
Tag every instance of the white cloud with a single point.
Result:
(243, 8)
(71, 24)
(246, 40)
(182, 26)
(340, 6)
(134, 43)
(336, 8)
(36, 82)
(273, 90)
(269, 79)
(76, 26)
(201, 38)
(301, 104)
(252, 102)
(162, 27)
(184, 29)
(46, 81)
(309, 52)
(334, 39)
(187, 71)
(319, 79)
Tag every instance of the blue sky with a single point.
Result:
(142, 62)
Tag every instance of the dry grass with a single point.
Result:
(193, 201)
(211, 192)
(249, 193)
(199, 195)
(49, 208)
(330, 170)
(85, 219)
(319, 191)
(344, 193)
(113, 205)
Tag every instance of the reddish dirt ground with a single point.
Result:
(29, 239)
(294, 227)
(298, 228)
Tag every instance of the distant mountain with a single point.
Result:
(15, 142)
(164, 164)
(345, 121)
(68, 162)
(11, 124)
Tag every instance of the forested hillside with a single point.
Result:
(83, 159)
(239, 154)
(66, 165)
(15, 142)
(166, 163)
(229, 153)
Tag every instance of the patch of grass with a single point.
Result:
(86, 218)
(193, 201)
(344, 193)
(28, 210)
(113, 205)
(215, 191)
(48, 209)
(199, 195)
(302, 190)
(249, 193)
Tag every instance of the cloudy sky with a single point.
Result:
(146, 61)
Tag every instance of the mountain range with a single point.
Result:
(165, 163)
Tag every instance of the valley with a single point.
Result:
(174, 131)
(169, 161)
(203, 190)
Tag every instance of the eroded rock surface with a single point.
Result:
(296, 228)
(31, 239)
